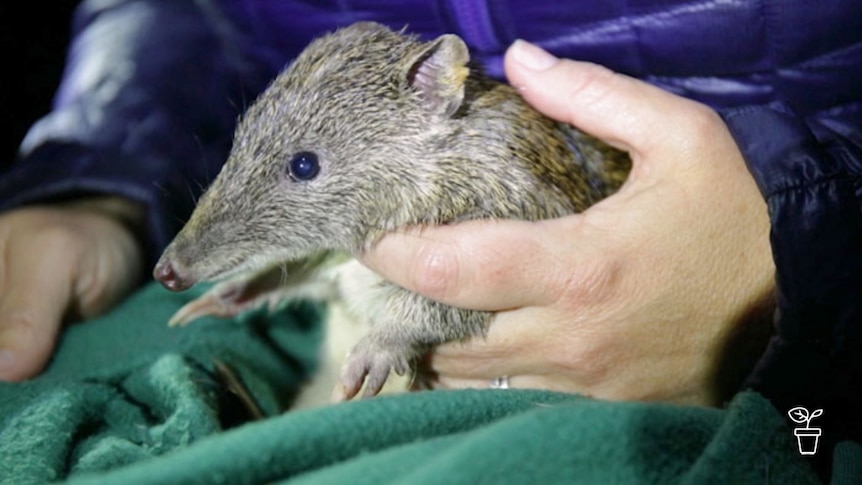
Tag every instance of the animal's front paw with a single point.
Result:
(224, 300)
(370, 363)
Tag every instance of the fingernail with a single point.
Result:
(532, 56)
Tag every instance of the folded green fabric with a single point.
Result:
(126, 387)
(127, 400)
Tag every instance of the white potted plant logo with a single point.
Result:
(807, 438)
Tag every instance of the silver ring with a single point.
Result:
(501, 382)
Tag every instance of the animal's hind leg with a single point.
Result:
(404, 327)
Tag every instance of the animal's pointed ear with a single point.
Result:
(439, 72)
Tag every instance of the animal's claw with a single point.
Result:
(370, 364)
(221, 301)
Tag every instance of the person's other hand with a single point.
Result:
(60, 263)
(641, 295)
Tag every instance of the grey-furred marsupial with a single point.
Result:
(367, 131)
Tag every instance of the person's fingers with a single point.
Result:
(32, 310)
(460, 265)
(618, 109)
(60, 263)
(108, 272)
(529, 381)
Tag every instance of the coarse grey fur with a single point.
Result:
(407, 133)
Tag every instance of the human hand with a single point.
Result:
(640, 296)
(60, 263)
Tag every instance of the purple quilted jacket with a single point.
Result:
(153, 89)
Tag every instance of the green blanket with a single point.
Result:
(128, 400)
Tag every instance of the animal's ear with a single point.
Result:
(438, 73)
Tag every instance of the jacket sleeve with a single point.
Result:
(146, 108)
(809, 169)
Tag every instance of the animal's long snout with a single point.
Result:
(172, 276)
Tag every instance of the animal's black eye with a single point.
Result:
(303, 166)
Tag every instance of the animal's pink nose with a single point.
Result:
(165, 273)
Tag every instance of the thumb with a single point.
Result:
(622, 111)
(491, 265)
(30, 315)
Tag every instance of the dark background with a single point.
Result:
(34, 36)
